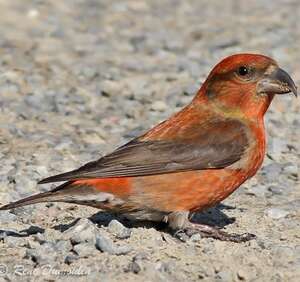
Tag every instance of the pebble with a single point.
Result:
(162, 266)
(11, 241)
(104, 244)
(83, 231)
(291, 169)
(117, 228)
(159, 106)
(85, 249)
(258, 191)
(243, 274)
(272, 171)
(63, 246)
(224, 276)
(141, 256)
(133, 267)
(69, 259)
(6, 217)
(276, 189)
(196, 237)
(40, 254)
(277, 213)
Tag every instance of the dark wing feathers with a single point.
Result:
(216, 146)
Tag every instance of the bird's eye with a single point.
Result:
(243, 71)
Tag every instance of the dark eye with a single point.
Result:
(243, 71)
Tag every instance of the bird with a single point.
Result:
(188, 163)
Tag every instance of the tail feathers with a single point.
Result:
(38, 198)
(54, 195)
(71, 192)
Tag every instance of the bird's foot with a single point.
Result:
(211, 232)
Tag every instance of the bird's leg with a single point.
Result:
(181, 225)
(207, 231)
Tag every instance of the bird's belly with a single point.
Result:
(187, 191)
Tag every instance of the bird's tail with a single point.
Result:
(54, 195)
(103, 194)
(38, 198)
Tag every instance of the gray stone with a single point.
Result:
(224, 276)
(276, 189)
(291, 169)
(69, 259)
(133, 267)
(272, 172)
(63, 246)
(244, 274)
(167, 267)
(85, 249)
(196, 237)
(276, 213)
(83, 231)
(117, 228)
(11, 241)
(141, 256)
(159, 106)
(40, 254)
(6, 216)
(104, 244)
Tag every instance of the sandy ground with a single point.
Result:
(79, 78)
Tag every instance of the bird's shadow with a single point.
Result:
(213, 217)
(23, 233)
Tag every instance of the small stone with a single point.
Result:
(195, 237)
(71, 258)
(257, 190)
(242, 275)
(277, 213)
(117, 228)
(182, 236)
(133, 267)
(291, 169)
(140, 256)
(3, 235)
(32, 244)
(190, 90)
(104, 244)
(277, 146)
(167, 267)
(83, 231)
(284, 253)
(41, 254)
(276, 190)
(159, 106)
(84, 249)
(39, 237)
(11, 241)
(224, 276)
(63, 246)
(6, 216)
(272, 171)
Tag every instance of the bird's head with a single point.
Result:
(246, 82)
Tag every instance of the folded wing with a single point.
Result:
(207, 146)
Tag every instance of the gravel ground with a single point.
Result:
(78, 78)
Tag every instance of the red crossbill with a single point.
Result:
(190, 162)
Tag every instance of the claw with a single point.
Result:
(181, 235)
(210, 232)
